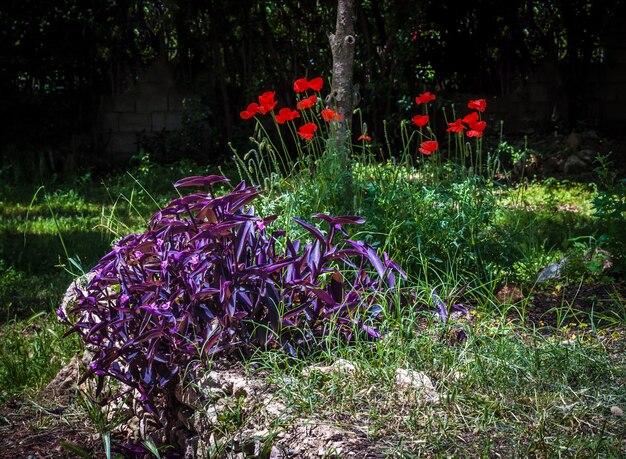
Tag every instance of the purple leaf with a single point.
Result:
(390, 264)
(242, 241)
(324, 296)
(201, 181)
(369, 252)
(336, 286)
(342, 219)
(441, 307)
(205, 278)
(371, 331)
(311, 229)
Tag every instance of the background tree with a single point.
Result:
(58, 57)
(342, 44)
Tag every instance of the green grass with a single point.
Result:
(464, 224)
(31, 353)
(42, 227)
(506, 391)
(509, 389)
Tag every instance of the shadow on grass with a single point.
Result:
(31, 276)
(553, 228)
(526, 241)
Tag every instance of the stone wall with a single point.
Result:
(542, 102)
(153, 105)
(608, 85)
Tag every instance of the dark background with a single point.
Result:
(545, 65)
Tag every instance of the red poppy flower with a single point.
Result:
(306, 103)
(267, 102)
(428, 147)
(471, 118)
(307, 130)
(329, 115)
(316, 84)
(478, 104)
(425, 98)
(420, 120)
(294, 114)
(301, 85)
(457, 126)
(476, 129)
(253, 108)
(286, 114)
(249, 112)
(478, 125)
(365, 137)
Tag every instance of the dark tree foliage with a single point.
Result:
(487, 47)
(63, 49)
(491, 46)
(58, 56)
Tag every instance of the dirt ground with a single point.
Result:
(47, 425)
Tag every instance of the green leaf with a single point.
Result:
(74, 448)
(152, 447)
(106, 439)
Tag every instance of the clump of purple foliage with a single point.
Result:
(207, 277)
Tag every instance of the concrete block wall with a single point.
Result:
(604, 96)
(156, 103)
(609, 84)
(153, 105)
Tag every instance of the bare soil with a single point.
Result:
(44, 424)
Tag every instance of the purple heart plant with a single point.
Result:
(207, 277)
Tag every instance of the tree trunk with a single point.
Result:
(342, 48)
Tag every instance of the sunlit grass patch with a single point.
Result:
(32, 352)
(552, 195)
(507, 390)
(534, 375)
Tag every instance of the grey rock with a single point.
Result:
(575, 165)
(187, 395)
(130, 429)
(241, 388)
(339, 366)
(69, 297)
(416, 384)
(574, 140)
(191, 448)
(586, 155)
(185, 417)
(552, 271)
(63, 386)
(252, 447)
(590, 135)
(277, 453)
